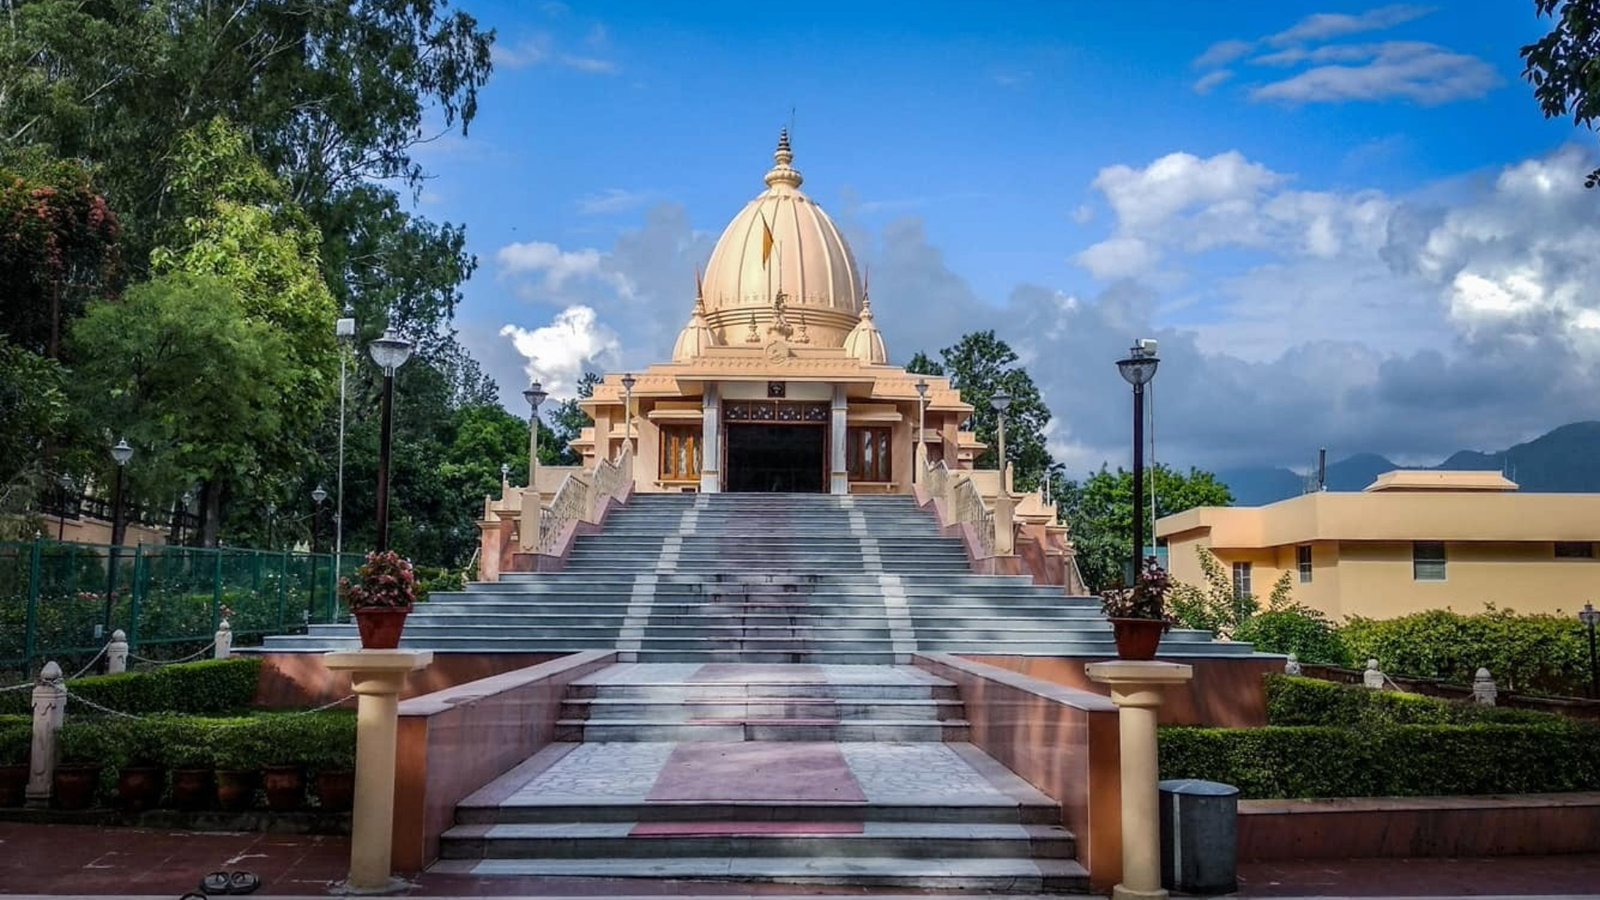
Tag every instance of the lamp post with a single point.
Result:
(67, 485)
(121, 453)
(922, 430)
(345, 330)
(318, 494)
(1590, 617)
(534, 394)
(390, 352)
(628, 381)
(1137, 370)
(1000, 402)
(272, 521)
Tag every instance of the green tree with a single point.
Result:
(980, 365)
(1561, 65)
(569, 420)
(33, 406)
(1101, 509)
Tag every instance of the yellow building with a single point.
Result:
(1412, 541)
(780, 379)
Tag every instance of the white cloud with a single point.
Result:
(1118, 257)
(1323, 26)
(540, 49)
(1148, 197)
(1210, 81)
(1424, 73)
(1223, 52)
(559, 353)
(614, 200)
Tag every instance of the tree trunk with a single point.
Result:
(210, 513)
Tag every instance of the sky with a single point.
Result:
(1347, 224)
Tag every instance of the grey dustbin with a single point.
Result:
(1199, 836)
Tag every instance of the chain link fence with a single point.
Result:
(61, 601)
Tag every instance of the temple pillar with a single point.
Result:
(840, 480)
(711, 441)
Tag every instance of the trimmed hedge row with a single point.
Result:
(16, 737)
(1308, 701)
(1387, 761)
(210, 687)
(323, 741)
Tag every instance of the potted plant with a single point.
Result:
(333, 759)
(83, 755)
(140, 778)
(193, 768)
(381, 599)
(1139, 614)
(15, 742)
(238, 762)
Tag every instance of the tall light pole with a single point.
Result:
(67, 486)
(922, 430)
(121, 453)
(345, 330)
(1138, 369)
(318, 494)
(1590, 617)
(534, 394)
(272, 521)
(628, 381)
(1000, 402)
(390, 352)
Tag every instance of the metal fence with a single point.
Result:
(62, 600)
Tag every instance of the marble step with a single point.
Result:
(739, 729)
(681, 692)
(673, 709)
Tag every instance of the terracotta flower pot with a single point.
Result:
(75, 785)
(139, 787)
(1137, 638)
(236, 789)
(193, 789)
(13, 785)
(285, 787)
(336, 790)
(380, 627)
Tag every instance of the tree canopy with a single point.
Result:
(979, 366)
(1561, 65)
(1101, 510)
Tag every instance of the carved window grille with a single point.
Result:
(775, 411)
(680, 452)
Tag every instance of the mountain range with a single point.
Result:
(1566, 460)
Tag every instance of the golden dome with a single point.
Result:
(807, 258)
(695, 336)
(865, 342)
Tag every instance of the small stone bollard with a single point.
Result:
(1372, 677)
(1484, 690)
(224, 640)
(117, 653)
(1291, 666)
(49, 709)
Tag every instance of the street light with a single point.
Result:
(345, 330)
(318, 494)
(121, 453)
(390, 352)
(1000, 402)
(1137, 370)
(534, 394)
(67, 486)
(1590, 617)
(922, 427)
(628, 381)
(272, 519)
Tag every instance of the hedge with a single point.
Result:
(1539, 653)
(1308, 701)
(1386, 761)
(207, 688)
(16, 737)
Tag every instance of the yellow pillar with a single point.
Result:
(1136, 689)
(528, 519)
(377, 677)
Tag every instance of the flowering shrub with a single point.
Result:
(386, 582)
(1147, 599)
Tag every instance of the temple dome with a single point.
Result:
(809, 261)
(695, 337)
(865, 342)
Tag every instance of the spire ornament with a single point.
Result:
(782, 172)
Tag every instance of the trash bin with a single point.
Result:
(1199, 836)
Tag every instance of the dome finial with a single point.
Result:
(782, 172)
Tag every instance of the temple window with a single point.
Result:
(680, 453)
(868, 452)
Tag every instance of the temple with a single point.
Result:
(780, 380)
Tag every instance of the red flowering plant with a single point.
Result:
(1146, 599)
(386, 581)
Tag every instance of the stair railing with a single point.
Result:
(962, 503)
(582, 499)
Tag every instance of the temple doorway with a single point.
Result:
(777, 458)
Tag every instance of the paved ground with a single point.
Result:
(65, 860)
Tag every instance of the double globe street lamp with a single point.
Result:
(1138, 369)
(1000, 402)
(390, 352)
(535, 394)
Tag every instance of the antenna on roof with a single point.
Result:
(1322, 468)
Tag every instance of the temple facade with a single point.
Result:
(780, 380)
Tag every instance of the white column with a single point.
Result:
(711, 441)
(49, 710)
(840, 480)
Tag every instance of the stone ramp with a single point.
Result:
(730, 797)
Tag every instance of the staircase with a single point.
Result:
(802, 774)
(763, 578)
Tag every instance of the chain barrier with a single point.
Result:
(105, 709)
(18, 687)
(90, 664)
(324, 707)
(172, 662)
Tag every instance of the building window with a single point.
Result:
(1427, 561)
(1303, 557)
(1574, 550)
(1241, 580)
(867, 454)
(680, 453)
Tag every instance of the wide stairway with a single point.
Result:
(763, 578)
(803, 774)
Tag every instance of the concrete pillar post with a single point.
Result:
(1136, 689)
(222, 647)
(839, 481)
(117, 653)
(1005, 531)
(377, 677)
(711, 441)
(528, 520)
(49, 710)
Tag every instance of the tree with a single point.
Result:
(1561, 65)
(979, 365)
(33, 407)
(1101, 510)
(569, 422)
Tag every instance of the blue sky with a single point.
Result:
(1348, 222)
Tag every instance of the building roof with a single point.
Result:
(1436, 480)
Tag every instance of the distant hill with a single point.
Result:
(1566, 460)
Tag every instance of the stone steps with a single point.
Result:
(756, 728)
